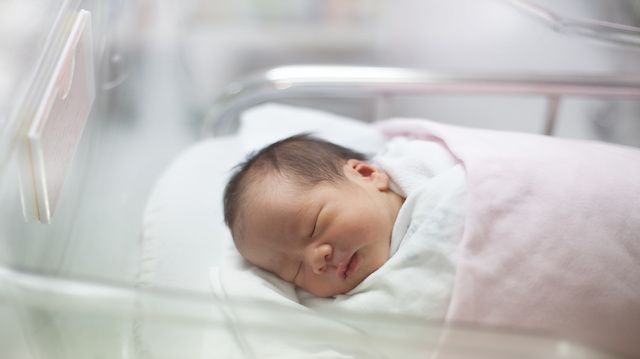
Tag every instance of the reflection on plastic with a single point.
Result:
(60, 118)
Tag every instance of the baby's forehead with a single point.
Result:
(270, 201)
(269, 182)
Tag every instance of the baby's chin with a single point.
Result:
(334, 291)
(329, 293)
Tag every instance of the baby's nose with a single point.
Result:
(321, 257)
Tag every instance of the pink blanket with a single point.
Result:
(552, 234)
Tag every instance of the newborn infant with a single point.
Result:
(315, 214)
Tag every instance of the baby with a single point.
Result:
(315, 214)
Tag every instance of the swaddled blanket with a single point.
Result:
(552, 234)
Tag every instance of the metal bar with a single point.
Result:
(553, 107)
(355, 81)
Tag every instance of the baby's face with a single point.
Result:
(325, 240)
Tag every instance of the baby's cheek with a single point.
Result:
(361, 227)
(369, 233)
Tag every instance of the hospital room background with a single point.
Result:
(127, 86)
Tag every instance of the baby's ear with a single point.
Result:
(368, 172)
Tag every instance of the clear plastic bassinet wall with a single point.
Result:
(98, 97)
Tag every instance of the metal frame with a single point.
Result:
(382, 83)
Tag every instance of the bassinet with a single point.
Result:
(168, 313)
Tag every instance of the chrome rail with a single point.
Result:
(381, 83)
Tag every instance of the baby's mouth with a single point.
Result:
(351, 266)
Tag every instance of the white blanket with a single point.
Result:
(415, 282)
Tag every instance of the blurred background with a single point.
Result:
(159, 65)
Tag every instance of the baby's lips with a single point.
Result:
(354, 263)
(342, 268)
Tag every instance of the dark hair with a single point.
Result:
(305, 159)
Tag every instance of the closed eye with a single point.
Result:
(315, 224)
(295, 277)
(313, 230)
